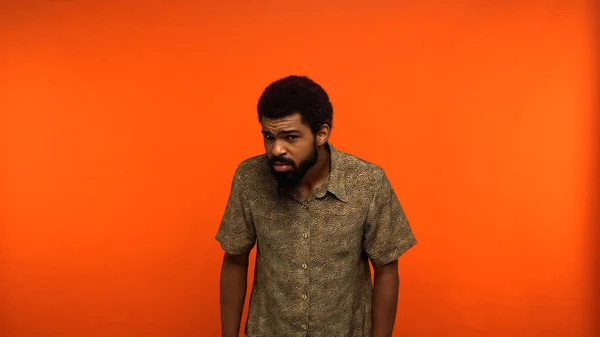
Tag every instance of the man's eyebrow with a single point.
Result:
(267, 132)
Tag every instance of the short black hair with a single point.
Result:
(296, 94)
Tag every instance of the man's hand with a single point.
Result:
(234, 276)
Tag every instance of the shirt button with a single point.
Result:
(304, 266)
(304, 297)
(304, 327)
(305, 235)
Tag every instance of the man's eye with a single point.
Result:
(268, 137)
(292, 137)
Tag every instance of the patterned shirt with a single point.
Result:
(312, 275)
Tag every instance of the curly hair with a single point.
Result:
(297, 94)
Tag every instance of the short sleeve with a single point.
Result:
(387, 232)
(236, 232)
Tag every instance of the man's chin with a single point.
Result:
(284, 180)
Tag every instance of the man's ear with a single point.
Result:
(323, 134)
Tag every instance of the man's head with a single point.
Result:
(296, 118)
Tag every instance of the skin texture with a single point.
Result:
(234, 278)
(290, 141)
(385, 299)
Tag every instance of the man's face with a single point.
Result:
(290, 147)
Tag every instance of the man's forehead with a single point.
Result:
(286, 123)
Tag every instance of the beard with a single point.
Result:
(291, 179)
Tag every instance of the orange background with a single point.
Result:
(122, 123)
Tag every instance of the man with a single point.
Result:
(317, 216)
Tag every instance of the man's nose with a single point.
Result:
(278, 149)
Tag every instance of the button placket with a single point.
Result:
(305, 236)
(305, 214)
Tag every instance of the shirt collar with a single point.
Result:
(334, 183)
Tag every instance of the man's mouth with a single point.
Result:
(281, 167)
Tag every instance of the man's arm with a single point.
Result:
(237, 237)
(234, 278)
(385, 299)
(387, 236)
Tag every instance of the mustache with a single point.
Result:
(282, 160)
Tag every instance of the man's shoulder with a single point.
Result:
(354, 165)
(252, 166)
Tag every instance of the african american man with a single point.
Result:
(317, 216)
